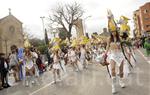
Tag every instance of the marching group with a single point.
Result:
(27, 63)
(21, 63)
(117, 52)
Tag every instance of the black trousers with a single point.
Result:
(4, 78)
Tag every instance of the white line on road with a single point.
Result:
(45, 86)
(144, 56)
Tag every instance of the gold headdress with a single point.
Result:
(27, 43)
(124, 27)
(112, 27)
(84, 40)
(56, 44)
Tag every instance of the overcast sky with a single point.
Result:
(29, 12)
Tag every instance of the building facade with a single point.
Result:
(79, 28)
(142, 19)
(11, 33)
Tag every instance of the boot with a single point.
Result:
(36, 81)
(114, 85)
(121, 83)
(27, 81)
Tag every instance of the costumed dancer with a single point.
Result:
(73, 55)
(36, 72)
(124, 33)
(62, 61)
(83, 56)
(73, 58)
(14, 62)
(115, 57)
(83, 51)
(29, 65)
(56, 62)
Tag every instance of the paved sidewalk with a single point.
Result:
(143, 53)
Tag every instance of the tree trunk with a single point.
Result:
(69, 32)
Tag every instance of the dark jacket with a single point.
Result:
(2, 65)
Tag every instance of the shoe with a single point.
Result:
(1, 88)
(76, 70)
(8, 85)
(114, 90)
(121, 83)
(114, 85)
(27, 83)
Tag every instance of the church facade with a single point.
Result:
(11, 33)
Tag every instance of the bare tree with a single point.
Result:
(66, 15)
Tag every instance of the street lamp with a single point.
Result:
(42, 18)
(85, 24)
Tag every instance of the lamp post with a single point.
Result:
(42, 18)
(85, 24)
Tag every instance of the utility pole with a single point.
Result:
(42, 18)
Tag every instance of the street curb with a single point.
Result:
(146, 59)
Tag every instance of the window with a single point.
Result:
(147, 26)
(12, 29)
(145, 11)
(146, 18)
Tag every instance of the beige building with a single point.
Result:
(79, 28)
(11, 33)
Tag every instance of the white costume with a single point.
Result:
(83, 58)
(56, 64)
(72, 56)
(29, 63)
(117, 56)
(35, 56)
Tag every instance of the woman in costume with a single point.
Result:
(115, 56)
(56, 65)
(124, 33)
(73, 58)
(29, 66)
(83, 56)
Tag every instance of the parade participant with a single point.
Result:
(78, 54)
(29, 66)
(14, 63)
(73, 58)
(20, 57)
(115, 56)
(62, 61)
(83, 56)
(126, 43)
(40, 64)
(56, 66)
(36, 70)
(4, 67)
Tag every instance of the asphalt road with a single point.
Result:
(91, 81)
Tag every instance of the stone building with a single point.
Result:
(79, 28)
(11, 33)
